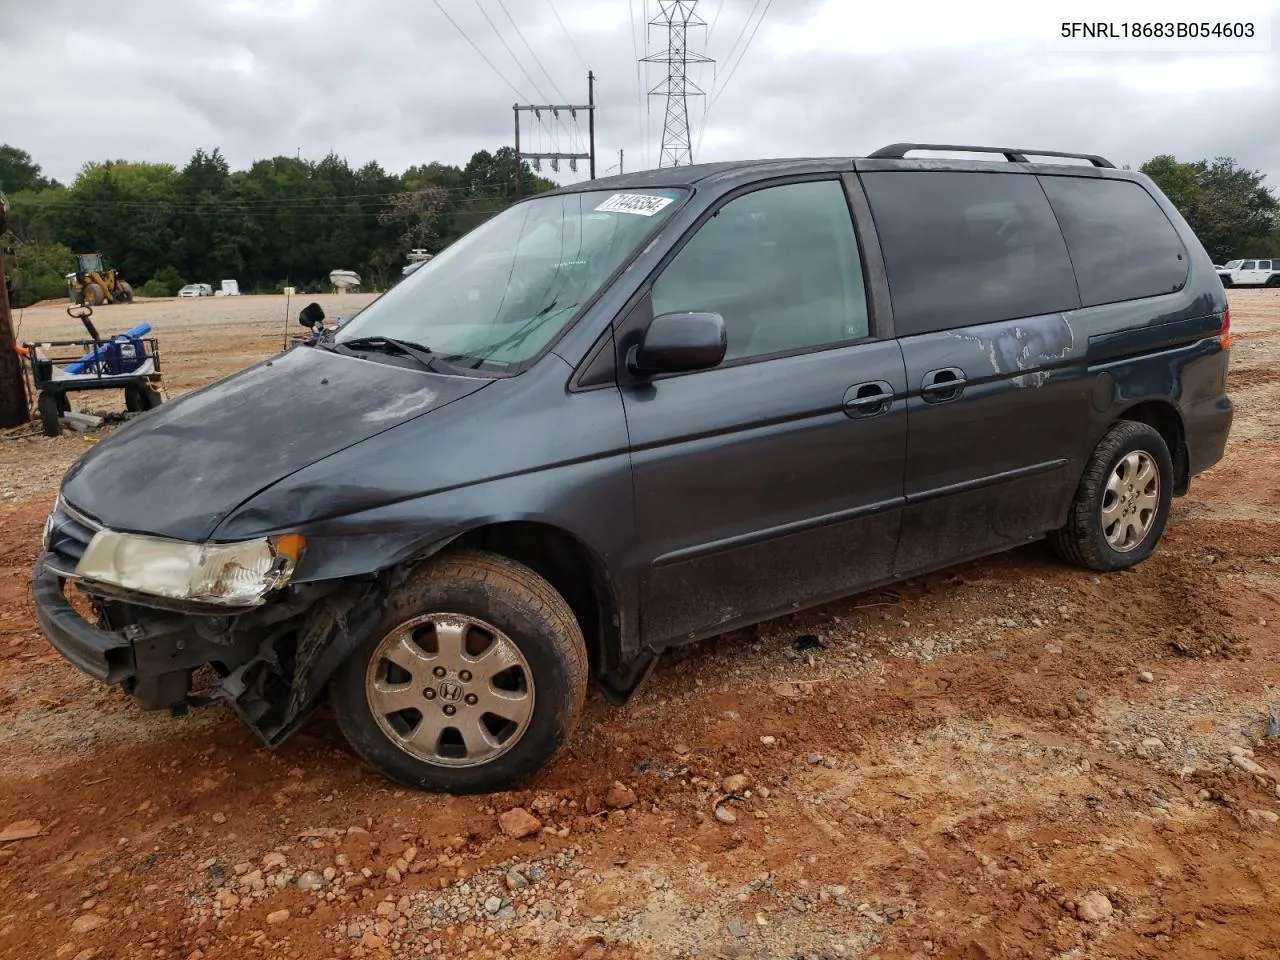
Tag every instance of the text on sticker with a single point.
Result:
(641, 203)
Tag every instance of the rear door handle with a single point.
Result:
(939, 386)
(869, 399)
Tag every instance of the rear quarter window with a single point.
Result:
(1121, 243)
(967, 248)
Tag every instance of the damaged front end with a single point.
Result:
(271, 646)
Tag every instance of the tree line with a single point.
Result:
(285, 221)
(289, 221)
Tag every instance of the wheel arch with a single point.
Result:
(1164, 417)
(571, 567)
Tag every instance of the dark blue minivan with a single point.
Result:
(637, 412)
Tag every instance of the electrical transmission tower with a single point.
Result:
(677, 16)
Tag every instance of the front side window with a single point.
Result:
(1249, 265)
(500, 294)
(1122, 244)
(963, 249)
(780, 265)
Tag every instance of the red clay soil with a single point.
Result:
(1014, 758)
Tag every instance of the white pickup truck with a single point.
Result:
(1250, 273)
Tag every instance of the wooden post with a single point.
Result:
(13, 387)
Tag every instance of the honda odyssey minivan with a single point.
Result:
(637, 412)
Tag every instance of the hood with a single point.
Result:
(179, 469)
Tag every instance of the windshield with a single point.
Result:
(501, 293)
(1232, 264)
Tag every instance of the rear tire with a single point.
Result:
(93, 295)
(48, 407)
(124, 292)
(1122, 503)
(1274, 281)
(467, 631)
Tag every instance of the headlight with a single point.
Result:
(235, 574)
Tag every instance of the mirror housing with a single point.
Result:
(312, 316)
(679, 343)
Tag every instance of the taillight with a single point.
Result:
(1224, 332)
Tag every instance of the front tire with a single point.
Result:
(1122, 503)
(93, 295)
(472, 681)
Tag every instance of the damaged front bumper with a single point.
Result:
(271, 662)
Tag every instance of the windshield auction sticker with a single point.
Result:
(639, 203)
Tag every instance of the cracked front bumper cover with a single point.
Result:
(105, 655)
(160, 643)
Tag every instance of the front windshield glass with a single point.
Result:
(501, 293)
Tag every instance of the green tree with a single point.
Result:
(1229, 207)
(165, 282)
(282, 219)
(18, 171)
(38, 271)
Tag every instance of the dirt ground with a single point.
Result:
(1013, 758)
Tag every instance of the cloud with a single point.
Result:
(395, 81)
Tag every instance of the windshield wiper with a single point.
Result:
(525, 330)
(424, 355)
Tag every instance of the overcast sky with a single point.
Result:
(395, 81)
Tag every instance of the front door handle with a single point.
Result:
(939, 386)
(869, 399)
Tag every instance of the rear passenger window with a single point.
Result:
(968, 248)
(1122, 244)
(780, 265)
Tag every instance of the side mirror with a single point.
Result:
(311, 316)
(680, 342)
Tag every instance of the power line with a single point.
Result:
(715, 18)
(478, 50)
(568, 36)
(520, 34)
(764, 13)
(743, 32)
(510, 52)
(706, 114)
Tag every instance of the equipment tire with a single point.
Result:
(48, 407)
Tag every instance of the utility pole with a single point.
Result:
(620, 162)
(13, 388)
(515, 107)
(537, 109)
(591, 119)
(677, 16)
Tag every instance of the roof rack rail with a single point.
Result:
(898, 151)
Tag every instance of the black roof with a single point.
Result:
(1017, 158)
(690, 174)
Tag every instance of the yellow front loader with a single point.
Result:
(96, 282)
